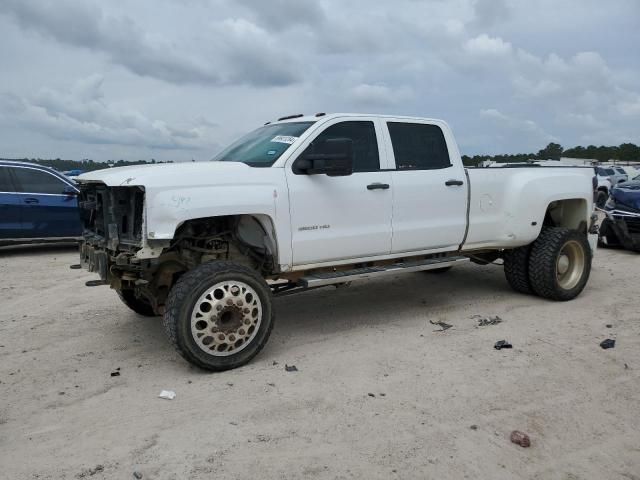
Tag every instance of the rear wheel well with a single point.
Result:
(570, 213)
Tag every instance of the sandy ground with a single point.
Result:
(62, 414)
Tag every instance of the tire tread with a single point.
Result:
(189, 282)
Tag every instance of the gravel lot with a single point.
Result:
(380, 392)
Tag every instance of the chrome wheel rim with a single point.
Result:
(570, 265)
(226, 318)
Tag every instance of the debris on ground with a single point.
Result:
(137, 475)
(167, 394)
(90, 472)
(372, 395)
(444, 326)
(94, 283)
(115, 374)
(608, 343)
(608, 325)
(500, 344)
(520, 438)
(473, 427)
(75, 266)
(484, 321)
(290, 368)
(274, 363)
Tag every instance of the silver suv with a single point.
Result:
(615, 174)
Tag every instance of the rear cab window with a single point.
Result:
(31, 180)
(418, 146)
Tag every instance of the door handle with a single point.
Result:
(378, 186)
(31, 200)
(452, 182)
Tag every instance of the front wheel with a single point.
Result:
(219, 315)
(559, 263)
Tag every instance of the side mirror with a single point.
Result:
(69, 190)
(332, 157)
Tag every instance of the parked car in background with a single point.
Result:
(73, 173)
(603, 187)
(36, 204)
(621, 227)
(615, 174)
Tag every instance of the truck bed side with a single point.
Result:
(508, 206)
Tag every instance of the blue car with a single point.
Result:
(36, 204)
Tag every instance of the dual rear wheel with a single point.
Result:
(556, 266)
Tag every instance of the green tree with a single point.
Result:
(553, 151)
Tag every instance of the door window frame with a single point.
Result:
(17, 183)
(319, 127)
(452, 148)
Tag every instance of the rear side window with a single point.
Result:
(37, 181)
(365, 143)
(417, 146)
(6, 185)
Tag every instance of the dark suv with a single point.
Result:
(36, 204)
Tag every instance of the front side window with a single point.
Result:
(6, 185)
(417, 146)
(365, 143)
(262, 147)
(37, 181)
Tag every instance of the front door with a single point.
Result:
(345, 217)
(47, 211)
(430, 190)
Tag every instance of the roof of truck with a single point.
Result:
(318, 116)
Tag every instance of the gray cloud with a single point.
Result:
(232, 46)
(81, 114)
(285, 14)
(507, 75)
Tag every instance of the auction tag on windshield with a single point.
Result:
(284, 139)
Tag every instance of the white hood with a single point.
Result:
(191, 174)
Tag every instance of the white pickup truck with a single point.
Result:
(310, 201)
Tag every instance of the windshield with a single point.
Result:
(262, 147)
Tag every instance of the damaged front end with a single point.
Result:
(113, 223)
(621, 227)
(117, 247)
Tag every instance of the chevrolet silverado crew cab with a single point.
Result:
(310, 201)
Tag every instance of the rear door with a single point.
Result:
(10, 224)
(337, 218)
(47, 211)
(429, 188)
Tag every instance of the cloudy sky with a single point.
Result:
(179, 79)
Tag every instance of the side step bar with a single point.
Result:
(330, 278)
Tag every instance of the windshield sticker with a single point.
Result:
(271, 152)
(284, 139)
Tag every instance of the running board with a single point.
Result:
(330, 278)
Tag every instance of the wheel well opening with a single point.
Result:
(570, 213)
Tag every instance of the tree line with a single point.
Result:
(85, 165)
(626, 152)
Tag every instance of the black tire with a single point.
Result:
(516, 268)
(183, 299)
(544, 274)
(138, 305)
(607, 238)
(601, 199)
(439, 270)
